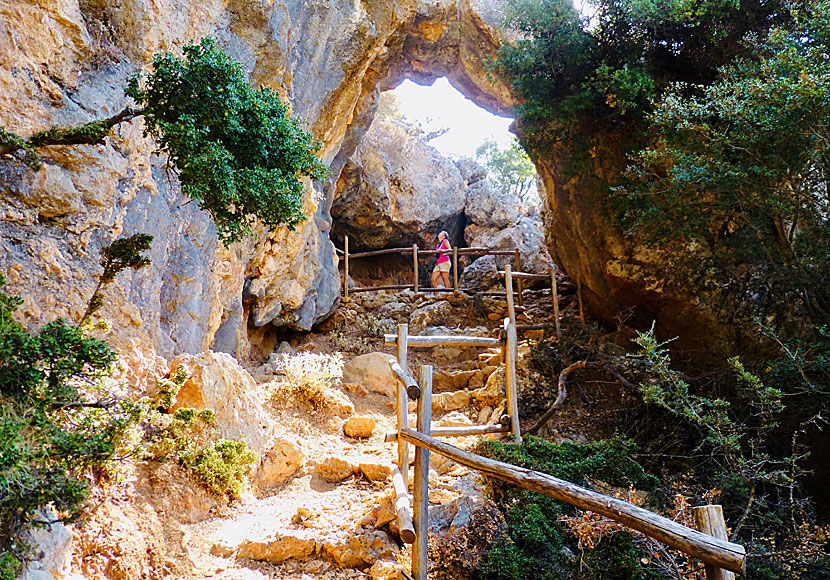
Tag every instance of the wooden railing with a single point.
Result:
(416, 252)
(710, 545)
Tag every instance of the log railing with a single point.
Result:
(416, 252)
(710, 545)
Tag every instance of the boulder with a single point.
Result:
(359, 427)
(385, 570)
(287, 544)
(281, 461)
(451, 380)
(361, 550)
(335, 469)
(482, 274)
(373, 372)
(446, 402)
(374, 470)
(51, 549)
(437, 313)
(492, 393)
(396, 189)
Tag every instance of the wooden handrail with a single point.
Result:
(704, 547)
(526, 275)
(457, 431)
(409, 251)
(444, 340)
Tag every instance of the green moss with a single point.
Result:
(609, 460)
(11, 140)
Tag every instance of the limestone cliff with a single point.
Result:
(398, 190)
(65, 62)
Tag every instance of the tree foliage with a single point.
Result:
(59, 418)
(511, 170)
(576, 74)
(237, 150)
(743, 164)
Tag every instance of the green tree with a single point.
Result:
(236, 149)
(743, 164)
(511, 170)
(577, 77)
(59, 420)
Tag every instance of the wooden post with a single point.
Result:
(510, 360)
(519, 285)
(710, 521)
(420, 490)
(579, 298)
(555, 294)
(403, 509)
(346, 268)
(414, 271)
(403, 417)
(455, 268)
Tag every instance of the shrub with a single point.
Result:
(308, 378)
(538, 544)
(222, 466)
(187, 436)
(61, 419)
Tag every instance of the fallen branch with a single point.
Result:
(560, 397)
(563, 391)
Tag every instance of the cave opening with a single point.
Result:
(431, 160)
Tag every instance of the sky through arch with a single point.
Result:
(441, 105)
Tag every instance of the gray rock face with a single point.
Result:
(51, 549)
(397, 190)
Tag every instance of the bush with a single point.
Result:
(187, 436)
(237, 150)
(61, 420)
(309, 378)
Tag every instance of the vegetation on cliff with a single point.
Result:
(722, 109)
(236, 149)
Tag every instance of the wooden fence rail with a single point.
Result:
(706, 548)
(416, 252)
(709, 545)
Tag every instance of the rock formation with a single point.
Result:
(67, 62)
(397, 190)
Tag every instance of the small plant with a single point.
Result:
(309, 378)
(123, 253)
(222, 466)
(186, 436)
(362, 334)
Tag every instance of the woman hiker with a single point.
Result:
(442, 267)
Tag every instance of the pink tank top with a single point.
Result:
(443, 257)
